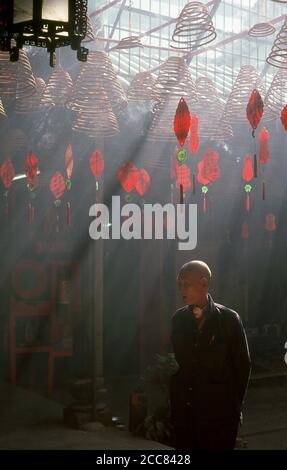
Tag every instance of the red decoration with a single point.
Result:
(254, 109)
(201, 177)
(264, 153)
(7, 173)
(270, 223)
(142, 182)
(69, 162)
(57, 185)
(245, 231)
(284, 117)
(183, 177)
(181, 122)
(248, 202)
(97, 163)
(194, 136)
(31, 167)
(204, 202)
(247, 173)
(210, 169)
(128, 176)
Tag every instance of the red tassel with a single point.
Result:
(204, 202)
(181, 194)
(255, 166)
(68, 213)
(29, 213)
(193, 184)
(247, 202)
(263, 191)
(57, 222)
(7, 209)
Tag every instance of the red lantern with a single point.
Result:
(264, 154)
(181, 122)
(183, 179)
(194, 136)
(245, 231)
(254, 109)
(7, 173)
(57, 185)
(31, 167)
(247, 173)
(97, 163)
(142, 182)
(284, 117)
(270, 223)
(69, 162)
(201, 177)
(210, 169)
(128, 176)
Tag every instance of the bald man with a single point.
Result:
(211, 349)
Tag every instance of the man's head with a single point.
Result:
(193, 282)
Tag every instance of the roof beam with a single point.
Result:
(118, 17)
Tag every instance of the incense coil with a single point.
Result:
(194, 27)
(129, 42)
(175, 80)
(278, 54)
(161, 127)
(90, 34)
(16, 78)
(33, 103)
(141, 87)
(210, 110)
(261, 30)
(58, 88)
(2, 110)
(96, 117)
(15, 141)
(247, 80)
(276, 96)
(97, 72)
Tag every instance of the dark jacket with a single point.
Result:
(214, 368)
